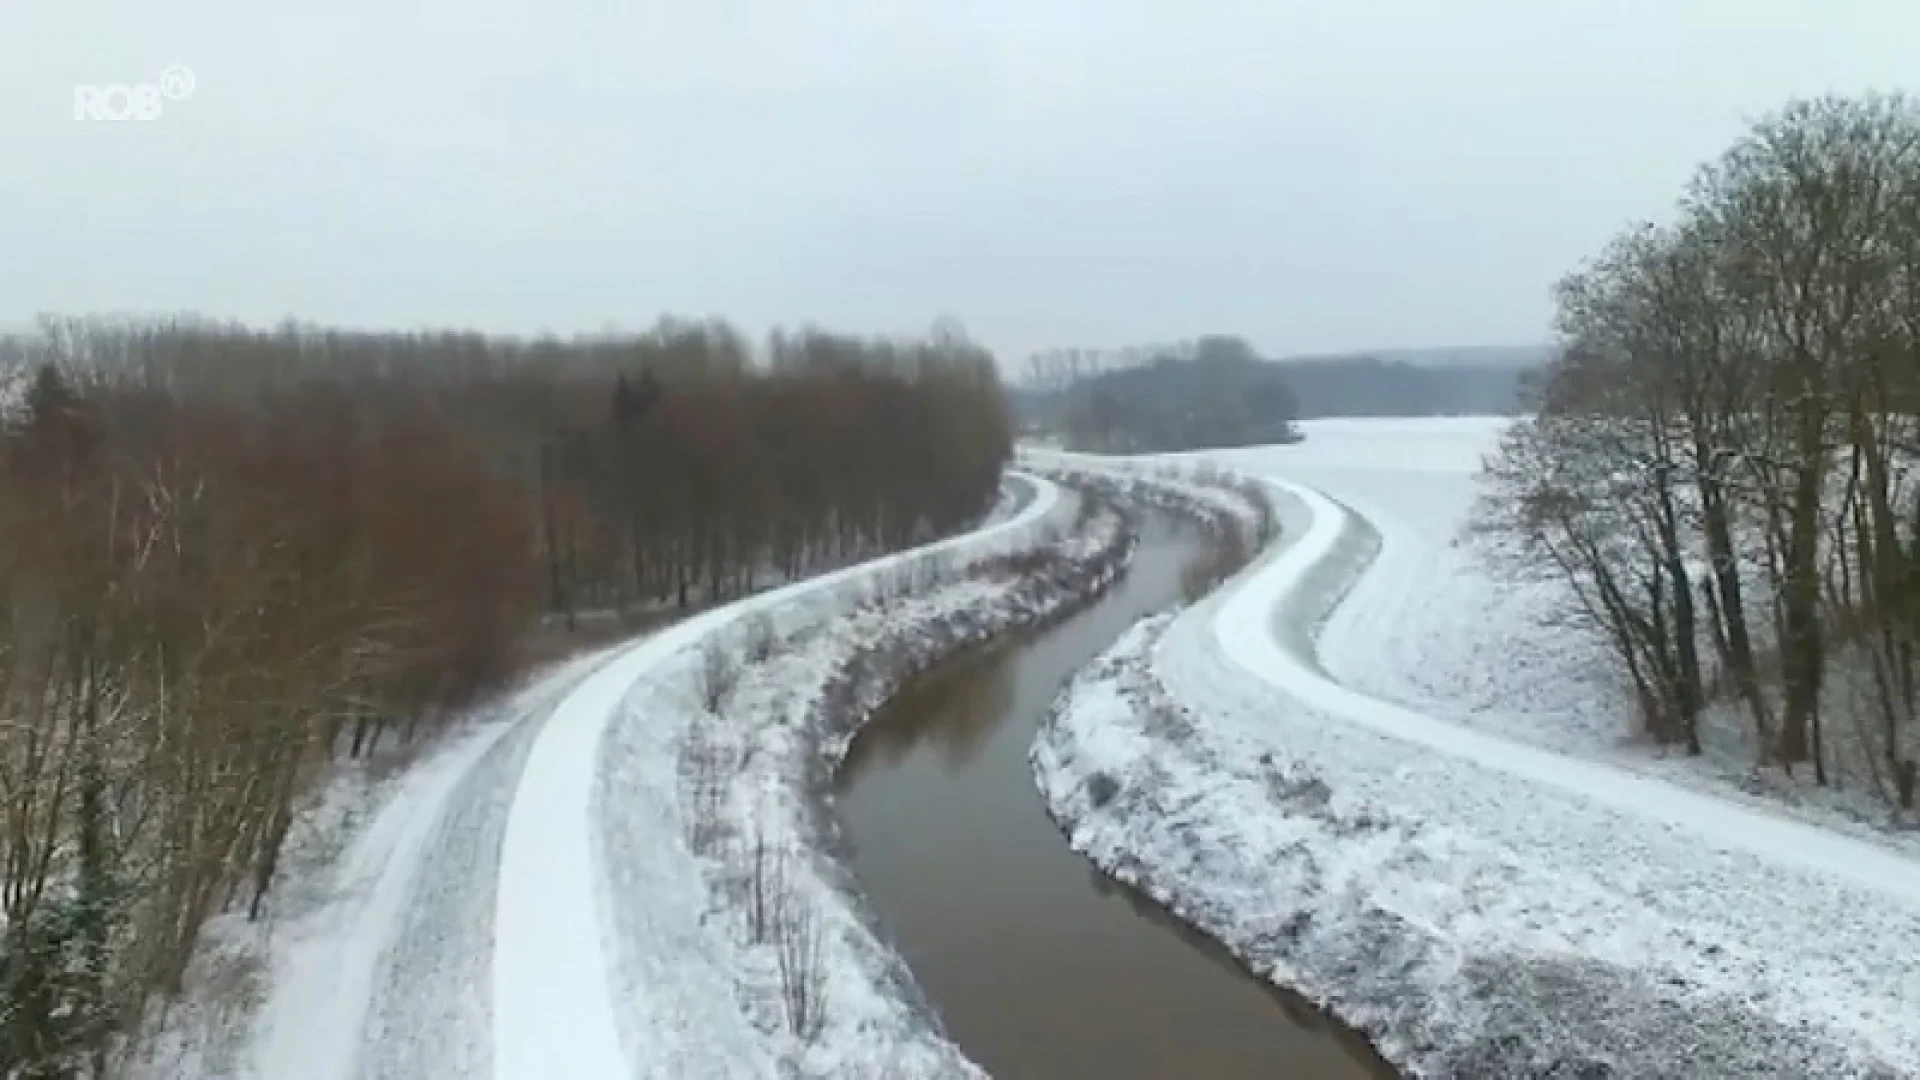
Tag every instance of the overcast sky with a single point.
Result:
(1314, 175)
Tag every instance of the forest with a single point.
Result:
(1721, 467)
(1210, 393)
(1367, 384)
(1119, 397)
(234, 558)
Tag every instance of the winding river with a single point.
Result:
(1038, 965)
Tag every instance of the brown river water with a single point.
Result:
(1040, 967)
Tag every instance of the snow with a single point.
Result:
(1476, 904)
(352, 867)
(1432, 626)
(1198, 489)
(1244, 629)
(699, 805)
(517, 903)
(553, 1010)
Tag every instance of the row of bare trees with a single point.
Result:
(1722, 461)
(231, 558)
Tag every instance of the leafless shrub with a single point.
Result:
(707, 768)
(762, 639)
(1266, 523)
(1101, 789)
(854, 672)
(766, 885)
(1164, 719)
(1207, 475)
(1018, 563)
(900, 584)
(800, 947)
(719, 674)
(1291, 784)
(930, 573)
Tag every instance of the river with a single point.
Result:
(1039, 966)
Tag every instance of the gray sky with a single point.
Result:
(1315, 175)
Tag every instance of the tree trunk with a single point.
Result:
(1732, 605)
(1802, 647)
(557, 598)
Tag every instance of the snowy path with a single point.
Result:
(311, 1028)
(1280, 652)
(459, 932)
(336, 962)
(552, 1013)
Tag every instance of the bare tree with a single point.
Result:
(1737, 394)
(231, 557)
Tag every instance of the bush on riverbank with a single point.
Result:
(784, 924)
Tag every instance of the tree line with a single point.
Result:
(1056, 385)
(1369, 385)
(1213, 392)
(232, 558)
(1721, 466)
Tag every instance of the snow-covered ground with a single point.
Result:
(554, 1008)
(1196, 489)
(521, 903)
(1478, 904)
(376, 857)
(758, 957)
(1431, 625)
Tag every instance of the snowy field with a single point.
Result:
(1365, 807)
(1431, 626)
(1428, 625)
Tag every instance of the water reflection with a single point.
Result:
(1041, 966)
(1298, 1010)
(961, 703)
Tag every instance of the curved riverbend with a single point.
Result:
(1038, 964)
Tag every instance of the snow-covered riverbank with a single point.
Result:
(1473, 913)
(1220, 500)
(779, 969)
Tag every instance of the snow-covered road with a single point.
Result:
(461, 932)
(1254, 632)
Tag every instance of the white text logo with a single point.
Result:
(116, 102)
